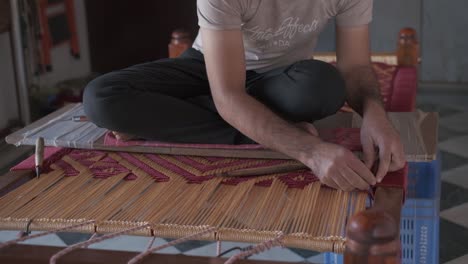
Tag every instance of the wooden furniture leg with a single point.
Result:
(20, 254)
(373, 235)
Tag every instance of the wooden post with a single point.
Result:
(373, 235)
(180, 42)
(408, 48)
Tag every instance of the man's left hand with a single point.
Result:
(379, 136)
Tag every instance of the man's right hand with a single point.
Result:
(339, 168)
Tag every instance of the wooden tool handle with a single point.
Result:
(264, 171)
(39, 156)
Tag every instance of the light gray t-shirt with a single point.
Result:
(279, 32)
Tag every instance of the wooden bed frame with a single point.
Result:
(373, 235)
(27, 254)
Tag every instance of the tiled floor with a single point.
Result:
(453, 146)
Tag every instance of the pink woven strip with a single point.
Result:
(21, 239)
(67, 168)
(158, 176)
(257, 249)
(168, 165)
(147, 252)
(69, 249)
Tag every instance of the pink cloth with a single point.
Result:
(104, 166)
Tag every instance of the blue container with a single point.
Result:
(419, 227)
(424, 180)
(419, 231)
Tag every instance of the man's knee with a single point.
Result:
(100, 101)
(321, 89)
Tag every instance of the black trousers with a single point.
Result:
(170, 99)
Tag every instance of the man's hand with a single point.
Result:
(378, 132)
(353, 60)
(339, 168)
(225, 62)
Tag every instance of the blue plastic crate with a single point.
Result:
(419, 233)
(424, 180)
(419, 227)
(332, 258)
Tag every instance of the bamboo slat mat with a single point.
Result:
(179, 195)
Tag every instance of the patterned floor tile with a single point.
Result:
(458, 176)
(209, 250)
(453, 241)
(460, 260)
(456, 122)
(451, 161)
(8, 235)
(71, 238)
(49, 240)
(446, 134)
(457, 101)
(304, 253)
(457, 214)
(458, 146)
(442, 110)
(317, 259)
(189, 245)
(277, 253)
(452, 195)
(134, 244)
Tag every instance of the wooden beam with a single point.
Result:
(26, 254)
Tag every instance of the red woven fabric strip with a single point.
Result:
(397, 179)
(198, 169)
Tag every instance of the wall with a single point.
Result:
(441, 27)
(137, 33)
(445, 41)
(8, 98)
(389, 17)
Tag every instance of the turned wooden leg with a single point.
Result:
(373, 236)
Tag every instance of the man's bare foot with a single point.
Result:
(308, 127)
(122, 136)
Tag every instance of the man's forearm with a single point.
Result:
(362, 88)
(225, 63)
(259, 123)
